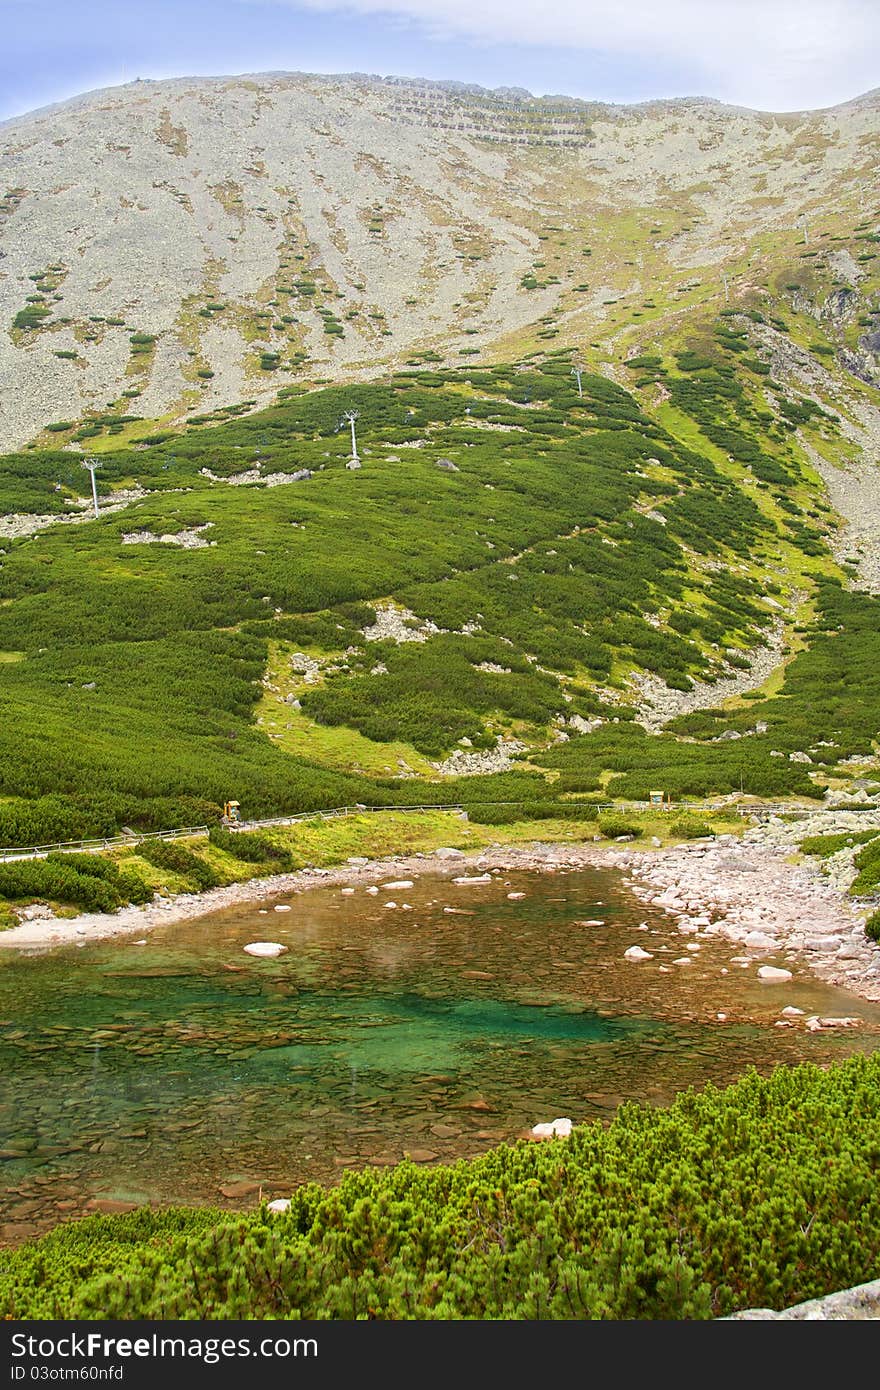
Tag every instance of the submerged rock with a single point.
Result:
(636, 953)
(265, 948)
(245, 1187)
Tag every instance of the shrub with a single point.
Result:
(510, 813)
(251, 846)
(867, 861)
(761, 1195)
(611, 826)
(825, 845)
(34, 316)
(80, 880)
(166, 854)
(688, 828)
(872, 927)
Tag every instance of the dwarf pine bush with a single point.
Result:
(763, 1194)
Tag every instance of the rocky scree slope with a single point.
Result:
(173, 245)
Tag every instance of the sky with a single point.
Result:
(775, 55)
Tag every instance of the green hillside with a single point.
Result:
(550, 539)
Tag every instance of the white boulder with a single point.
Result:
(265, 948)
(636, 953)
(552, 1129)
(773, 974)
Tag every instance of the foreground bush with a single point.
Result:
(764, 1194)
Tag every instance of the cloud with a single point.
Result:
(779, 54)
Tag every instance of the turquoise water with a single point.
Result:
(185, 1070)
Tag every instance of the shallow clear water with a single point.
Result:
(171, 1070)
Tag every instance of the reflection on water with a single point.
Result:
(186, 1070)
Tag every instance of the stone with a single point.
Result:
(397, 884)
(636, 953)
(552, 1129)
(244, 1187)
(421, 1155)
(476, 878)
(859, 1304)
(265, 948)
(279, 1206)
(515, 897)
(760, 941)
(772, 974)
(110, 1206)
(282, 907)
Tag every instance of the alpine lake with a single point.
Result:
(176, 1068)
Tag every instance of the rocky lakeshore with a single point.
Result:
(743, 889)
(746, 891)
(45, 932)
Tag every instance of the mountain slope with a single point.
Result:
(589, 550)
(178, 245)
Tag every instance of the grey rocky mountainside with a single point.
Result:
(175, 246)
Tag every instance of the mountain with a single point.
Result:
(169, 247)
(611, 521)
